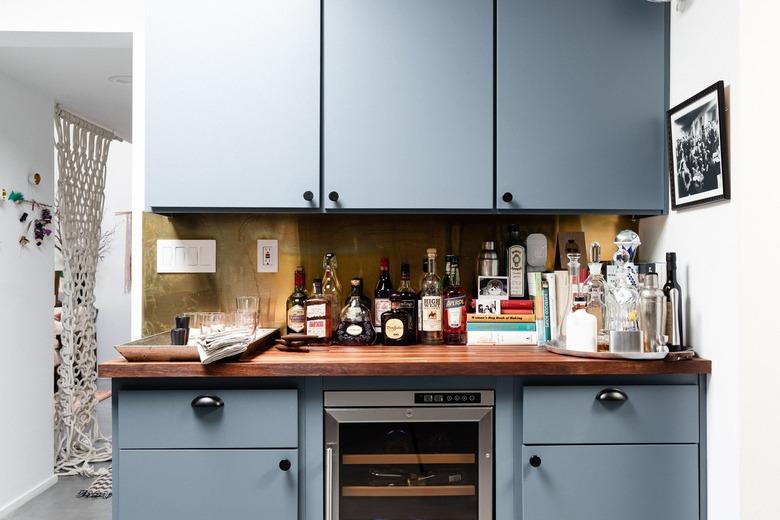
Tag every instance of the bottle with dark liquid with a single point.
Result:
(454, 322)
(355, 321)
(382, 291)
(296, 314)
(397, 324)
(317, 309)
(674, 313)
(419, 298)
(364, 300)
(409, 298)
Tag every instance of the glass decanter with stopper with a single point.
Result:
(331, 288)
(578, 327)
(596, 290)
(355, 321)
(623, 297)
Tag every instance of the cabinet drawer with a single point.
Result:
(173, 419)
(636, 482)
(592, 415)
(207, 484)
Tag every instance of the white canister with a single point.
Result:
(581, 331)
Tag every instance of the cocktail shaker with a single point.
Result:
(652, 314)
(487, 262)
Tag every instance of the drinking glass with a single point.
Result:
(246, 312)
(211, 322)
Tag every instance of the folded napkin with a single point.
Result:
(222, 344)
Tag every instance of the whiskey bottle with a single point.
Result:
(296, 315)
(317, 310)
(419, 298)
(382, 291)
(355, 321)
(331, 288)
(409, 298)
(454, 324)
(515, 263)
(431, 303)
(397, 324)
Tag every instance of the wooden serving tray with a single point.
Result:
(157, 348)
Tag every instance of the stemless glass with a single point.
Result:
(246, 312)
(212, 322)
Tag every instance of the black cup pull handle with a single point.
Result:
(333, 196)
(285, 465)
(308, 196)
(507, 197)
(535, 461)
(612, 395)
(207, 401)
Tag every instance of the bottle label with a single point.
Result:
(516, 271)
(394, 328)
(431, 313)
(316, 327)
(316, 311)
(354, 330)
(454, 307)
(380, 305)
(296, 318)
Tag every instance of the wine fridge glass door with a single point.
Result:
(403, 463)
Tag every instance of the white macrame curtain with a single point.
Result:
(82, 150)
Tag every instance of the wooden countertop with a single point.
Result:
(406, 361)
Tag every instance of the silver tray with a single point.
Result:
(555, 348)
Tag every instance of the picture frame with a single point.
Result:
(493, 287)
(698, 149)
(490, 306)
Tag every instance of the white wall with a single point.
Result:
(26, 300)
(113, 322)
(704, 43)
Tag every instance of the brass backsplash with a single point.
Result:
(358, 240)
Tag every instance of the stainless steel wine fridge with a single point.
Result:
(407, 455)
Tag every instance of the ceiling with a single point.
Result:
(73, 68)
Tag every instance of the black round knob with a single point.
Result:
(535, 461)
(285, 465)
(308, 196)
(507, 197)
(333, 195)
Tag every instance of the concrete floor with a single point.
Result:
(60, 501)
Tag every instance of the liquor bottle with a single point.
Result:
(355, 321)
(454, 324)
(596, 290)
(296, 314)
(364, 300)
(382, 291)
(445, 281)
(331, 288)
(397, 324)
(419, 298)
(317, 310)
(431, 303)
(674, 313)
(409, 298)
(515, 263)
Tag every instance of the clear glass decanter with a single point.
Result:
(623, 297)
(331, 287)
(596, 290)
(577, 299)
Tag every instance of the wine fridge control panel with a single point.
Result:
(448, 398)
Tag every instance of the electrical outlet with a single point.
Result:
(267, 256)
(186, 256)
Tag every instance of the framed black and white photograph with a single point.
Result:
(698, 149)
(496, 287)
(488, 306)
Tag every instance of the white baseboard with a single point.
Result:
(18, 502)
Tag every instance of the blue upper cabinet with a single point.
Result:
(581, 94)
(408, 104)
(233, 104)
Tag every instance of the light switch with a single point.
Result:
(267, 256)
(186, 256)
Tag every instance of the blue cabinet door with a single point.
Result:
(408, 104)
(207, 485)
(580, 95)
(232, 98)
(611, 482)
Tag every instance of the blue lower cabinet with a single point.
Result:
(208, 484)
(611, 482)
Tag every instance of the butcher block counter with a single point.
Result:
(406, 361)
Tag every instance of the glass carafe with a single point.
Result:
(596, 290)
(331, 288)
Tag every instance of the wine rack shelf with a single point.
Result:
(410, 491)
(410, 458)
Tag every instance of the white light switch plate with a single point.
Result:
(267, 256)
(186, 256)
